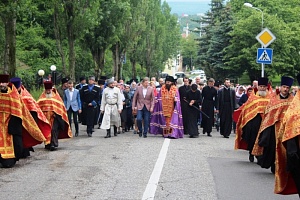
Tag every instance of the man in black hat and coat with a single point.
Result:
(90, 98)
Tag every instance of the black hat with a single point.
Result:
(64, 80)
(263, 81)
(103, 77)
(170, 78)
(16, 81)
(217, 84)
(128, 82)
(4, 78)
(101, 82)
(288, 81)
(82, 78)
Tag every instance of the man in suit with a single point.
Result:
(73, 104)
(143, 103)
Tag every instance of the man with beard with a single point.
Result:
(167, 118)
(193, 97)
(267, 141)
(209, 104)
(18, 128)
(250, 118)
(54, 109)
(287, 173)
(111, 108)
(227, 104)
(90, 98)
(184, 105)
(63, 87)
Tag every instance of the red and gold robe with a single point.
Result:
(54, 106)
(168, 99)
(284, 182)
(10, 105)
(255, 105)
(32, 105)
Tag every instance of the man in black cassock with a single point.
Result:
(209, 103)
(90, 98)
(226, 97)
(193, 97)
(184, 105)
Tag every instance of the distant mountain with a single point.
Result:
(189, 8)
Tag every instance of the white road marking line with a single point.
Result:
(154, 178)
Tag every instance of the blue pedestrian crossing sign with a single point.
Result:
(264, 55)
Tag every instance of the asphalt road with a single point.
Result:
(120, 168)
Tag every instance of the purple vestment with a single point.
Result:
(158, 123)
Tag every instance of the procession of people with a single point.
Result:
(265, 122)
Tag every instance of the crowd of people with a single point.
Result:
(265, 120)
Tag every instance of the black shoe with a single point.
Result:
(191, 136)
(134, 132)
(196, 136)
(52, 148)
(76, 134)
(47, 146)
(226, 136)
(251, 158)
(145, 136)
(89, 134)
(116, 134)
(107, 136)
(209, 135)
(140, 134)
(203, 132)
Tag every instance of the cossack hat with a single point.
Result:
(103, 77)
(170, 78)
(48, 85)
(263, 81)
(82, 78)
(92, 78)
(64, 80)
(288, 81)
(110, 81)
(16, 81)
(101, 82)
(4, 78)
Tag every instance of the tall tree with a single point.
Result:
(8, 11)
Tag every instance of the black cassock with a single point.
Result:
(193, 113)
(293, 160)
(209, 103)
(184, 105)
(226, 104)
(250, 131)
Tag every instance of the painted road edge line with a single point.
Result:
(154, 178)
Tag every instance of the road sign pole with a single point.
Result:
(262, 67)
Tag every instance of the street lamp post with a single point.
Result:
(41, 73)
(53, 73)
(249, 5)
